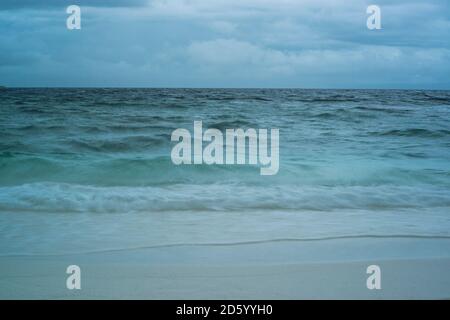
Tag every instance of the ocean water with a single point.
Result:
(85, 170)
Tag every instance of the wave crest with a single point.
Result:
(61, 197)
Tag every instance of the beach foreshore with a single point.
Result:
(411, 268)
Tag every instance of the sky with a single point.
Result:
(226, 43)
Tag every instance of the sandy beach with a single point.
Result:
(330, 269)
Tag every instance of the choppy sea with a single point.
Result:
(86, 170)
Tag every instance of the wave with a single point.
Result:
(134, 170)
(346, 115)
(223, 125)
(392, 110)
(444, 99)
(112, 171)
(61, 197)
(414, 132)
(234, 244)
(124, 144)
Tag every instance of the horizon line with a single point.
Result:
(219, 88)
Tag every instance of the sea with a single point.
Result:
(89, 169)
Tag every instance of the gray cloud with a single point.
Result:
(229, 43)
(41, 4)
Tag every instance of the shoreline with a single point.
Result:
(411, 268)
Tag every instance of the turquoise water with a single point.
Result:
(90, 169)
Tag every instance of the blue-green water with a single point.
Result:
(90, 169)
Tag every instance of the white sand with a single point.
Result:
(411, 268)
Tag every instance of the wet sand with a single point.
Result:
(411, 268)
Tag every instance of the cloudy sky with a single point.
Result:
(226, 43)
